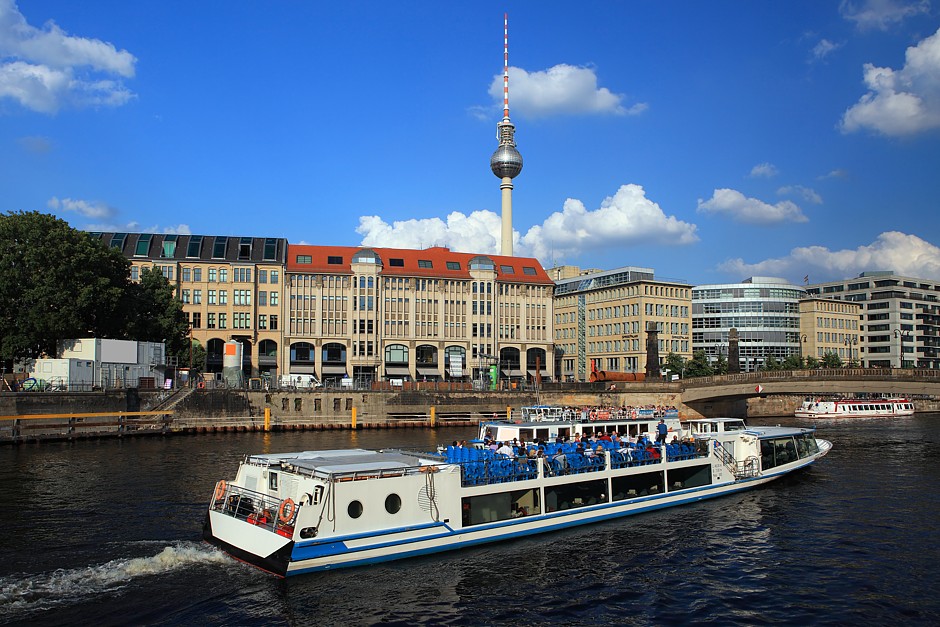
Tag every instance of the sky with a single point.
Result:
(710, 141)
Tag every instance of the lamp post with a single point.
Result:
(901, 334)
(849, 343)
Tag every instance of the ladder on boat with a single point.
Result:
(744, 469)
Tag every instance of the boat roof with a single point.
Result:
(778, 431)
(340, 460)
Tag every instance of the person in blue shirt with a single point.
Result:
(661, 432)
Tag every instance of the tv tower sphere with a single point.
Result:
(506, 162)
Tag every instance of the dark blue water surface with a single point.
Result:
(108, 533)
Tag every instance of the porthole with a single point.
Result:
(392, 503)
(355, 509)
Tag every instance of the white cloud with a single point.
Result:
(907, 255)
(36, 144)
(94, 209)
(823, 49)
(881, 14)
(764, 170)
(626, 218)
(562, 89)
(901, 102)
(838, 173)
(738, 207)
(47, 69)
(807, 194)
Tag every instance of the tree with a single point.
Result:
(57, 283)
(155, 315)
(675, 364)
(831, 360)
(771, 363)
(721, 364)
(812, 363)
(698, 366)
(793, 362)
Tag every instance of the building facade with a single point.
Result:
(764, 310)
(830, 326)
(373, 314)
(602, 318)
(230, 288)
(900, 318)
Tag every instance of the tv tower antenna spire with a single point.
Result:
(506, 162)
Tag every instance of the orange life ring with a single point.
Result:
(287, 510)
(201, 385)
(220, 490)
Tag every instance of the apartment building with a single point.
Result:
(900, 317)
(230, 288)
(602, 318)
(830, 326)
(434, 314)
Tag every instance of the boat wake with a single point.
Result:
(21, 594)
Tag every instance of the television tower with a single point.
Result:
(506, 162)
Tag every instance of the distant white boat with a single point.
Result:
(856, 408)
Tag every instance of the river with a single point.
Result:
(108, 533)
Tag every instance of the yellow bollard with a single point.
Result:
(354, 418)
(267, 419)
(433, 414)
(509, 414)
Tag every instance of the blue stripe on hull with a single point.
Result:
(301, 554)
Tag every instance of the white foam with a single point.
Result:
(46, 590)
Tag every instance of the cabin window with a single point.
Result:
(354, 510)
(633, 486)
(503, 506)
(392, 503)
(572, 495)
(690, 477)
(272, 481)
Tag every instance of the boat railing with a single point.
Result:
(744, 469)
(255, 507)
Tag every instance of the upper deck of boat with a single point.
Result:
(338, 461)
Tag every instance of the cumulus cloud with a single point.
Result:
(562, 89)
(905, 254)
(838, 173)
(738, 207)
(46, 69)
(764, 171)
(807, 194)
(626, 218)
(901, 102)
(881, 14)
(95, 209)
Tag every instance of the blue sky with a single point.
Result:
(712, 141)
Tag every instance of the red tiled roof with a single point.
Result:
(438, 257)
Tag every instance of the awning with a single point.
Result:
(532, 373)
(311, 369)
(428, 372)
(512, 373)
(334, 369)
(397, 371)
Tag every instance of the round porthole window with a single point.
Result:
(354, 509)
(392, 503)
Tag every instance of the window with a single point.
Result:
(218, 249)
(197, 320)
(355, 509)
(334, 260)
(223, 298)
(273, 299)
(304, 259)
(210, 321)
(184, 297)
(453, 265)
(169, 246)
(274, 276)
(195, 246)
(273, 322)
(425, 263)
(262, 299)
(262, 321)
(398, 263)
(211, 296)
(244, 248)
(529, 270)
(143, 245)
(223, 275)
(392, 503)
(507, 269)
(213, 275)
(135, 273)
(223, 321)
(270, 249)
(197, 297)
(197, 275)
(262, 276)
(186, 275)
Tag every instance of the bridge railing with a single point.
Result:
(832, 374)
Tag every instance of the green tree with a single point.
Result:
(831, 360)
(198, 360)
(57, 283)
(698, 366)
(771, 363)
(812, 363)
(675, 363)
(153, 313)
(721, 364)
(793, 362)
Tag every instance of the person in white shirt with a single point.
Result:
(505, 449)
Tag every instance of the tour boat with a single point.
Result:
(547, 422)
(855, 408)
(308, 511)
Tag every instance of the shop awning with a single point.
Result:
(512, 373)
(428, 372)
(311, 369)
(397, 371)
(532, 373)
(334, 369)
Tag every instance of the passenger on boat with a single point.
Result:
(661, 431)
(505, 449)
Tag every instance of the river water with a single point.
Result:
(108, 533)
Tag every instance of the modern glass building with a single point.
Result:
(764, 310)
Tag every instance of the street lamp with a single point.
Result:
(901, 334)
(849, 343)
